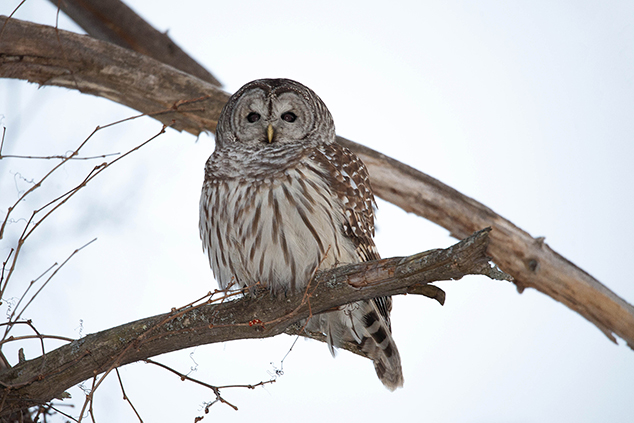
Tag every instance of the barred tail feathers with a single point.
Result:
(361, 322)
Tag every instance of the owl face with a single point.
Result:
(270, 112)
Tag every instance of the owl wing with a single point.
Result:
(350, 181)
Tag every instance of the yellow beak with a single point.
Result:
(269, 133)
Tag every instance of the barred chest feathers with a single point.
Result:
(275, 227)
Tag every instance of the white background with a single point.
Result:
(527, 107)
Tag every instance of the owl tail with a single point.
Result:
(361, 322)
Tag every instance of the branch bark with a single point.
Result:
(115, 22)
(43, 55)
(259, 316)
(47, 56)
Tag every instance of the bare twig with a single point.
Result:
(29, 323)
(13, 156)
(26, 291)
(9, 326)
(20, 338)
(5, 23)
(88, 400)
(39, 183)
(183, 377)
(4, 266)
(63, 414)
(126, 398)
(4, 133)
(62, 199)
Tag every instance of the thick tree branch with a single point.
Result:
(46, 56)
(35, 53)
(258, 316)
(115, 22)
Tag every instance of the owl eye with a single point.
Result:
(289, 117)
(253, 117)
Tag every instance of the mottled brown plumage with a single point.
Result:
(281, 198)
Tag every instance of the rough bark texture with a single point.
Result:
(115, 22)
(260, 316)
(43, 55)
(46, 56)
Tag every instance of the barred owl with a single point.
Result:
(281, 198)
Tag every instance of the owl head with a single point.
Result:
(274, 112)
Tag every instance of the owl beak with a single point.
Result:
(269, 133)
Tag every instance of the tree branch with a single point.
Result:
(115, 22)
(35, 53)
(258, 316)
(47, 56)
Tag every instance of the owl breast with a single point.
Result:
(274, 229)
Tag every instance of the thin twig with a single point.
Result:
(20, 338)
(4, 128)
(4, 265)
(26, 292)
(280, 372)
(264, 382)
(24, 234)
(64, 414)
(39, 183)
(207, 295)
(182, 376)
(37, 335)
(88, 400)
(215, 389)
(125, 396)
(13, 156)
(42, 287)
(63, 198)
(9, 18)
